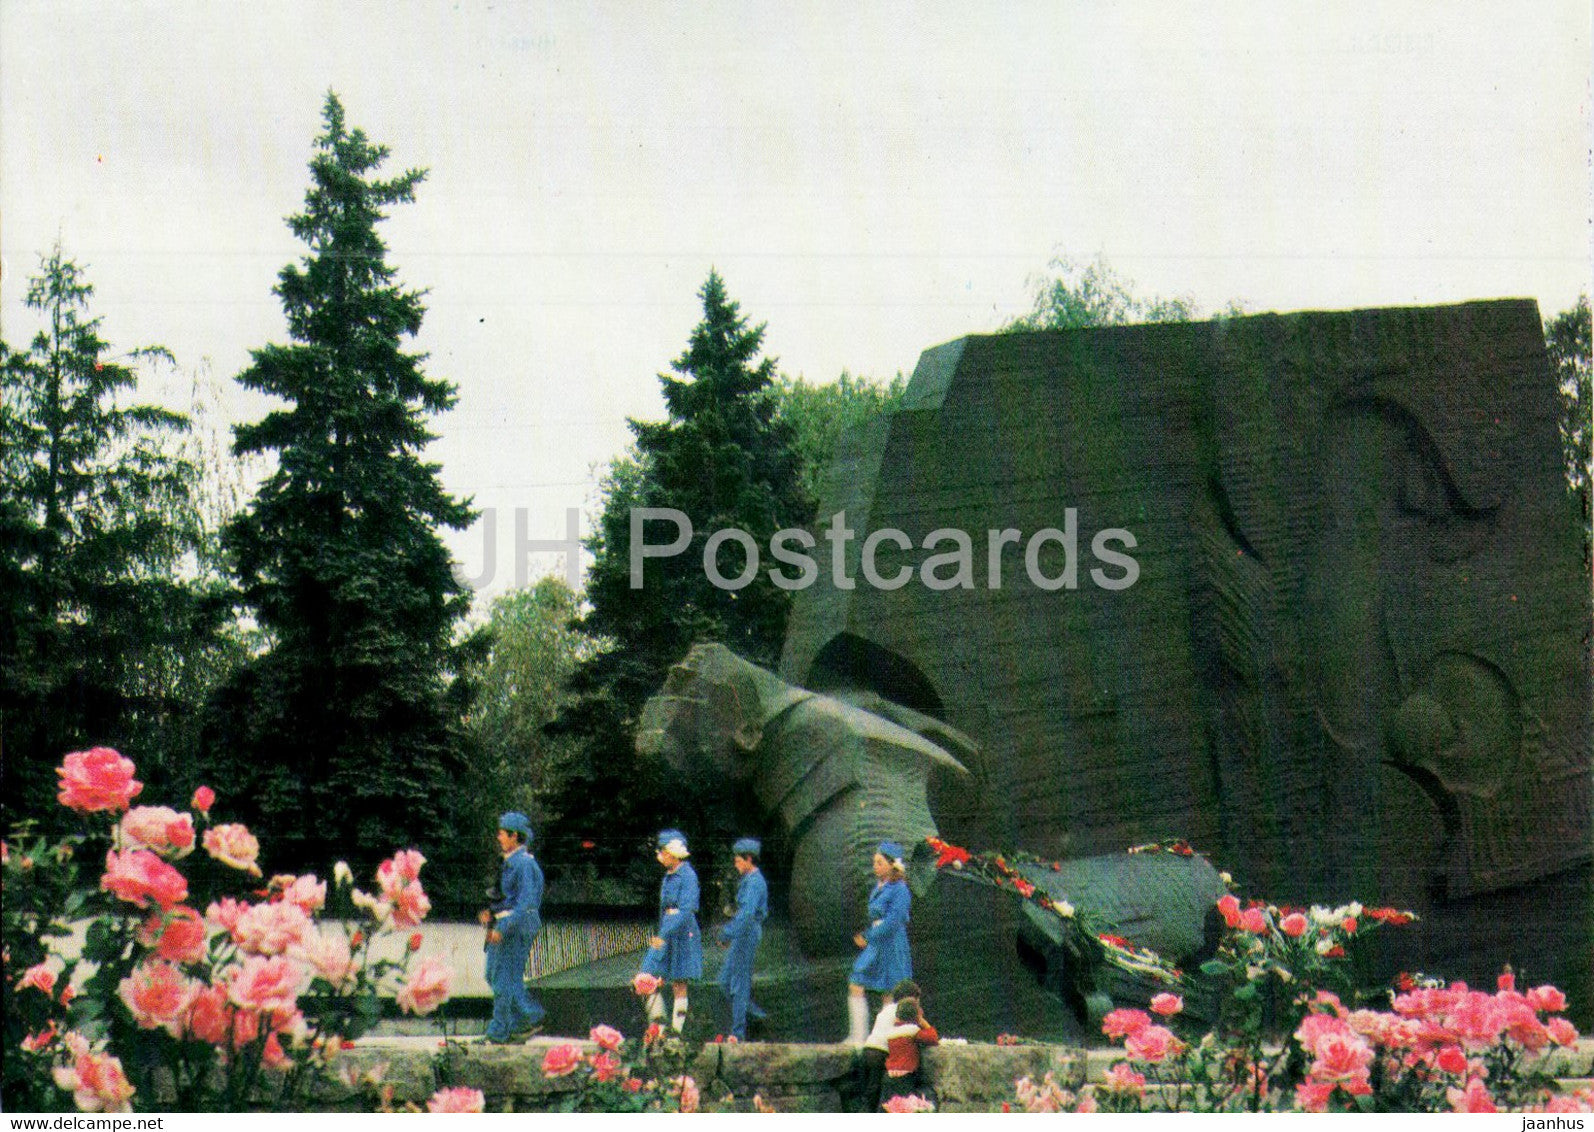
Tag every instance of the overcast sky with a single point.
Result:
(870, 179)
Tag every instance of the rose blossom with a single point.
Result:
(645, 984)
(1294, 925)
(1166, 1004)
(263, 983)
(427, 988)
(33, 1043)
(910, 1103)
(401, 867)
(306, 891)
(273, 1055)
(158, 995)
(605, 1066)
(1122, 1079)
(1452, 1060)
(1229, 907)
(210, 1016)
(1562, 1032)
(138, 876)
(561, 1060)
(178, 935)
(96, 1082)
(607, 1037)
(1312, 1096)
(39, 977)
(270, 929)
(689, 1096)
(410, 905)
(1547, 998)
(1124, 1022)
(159, 828)
(1343, 1059)
(1474, 1098)
(457, 1099)
(1151, 1043)
(226, 913)
(203, 799)
(1254, 920)
(234, 845)
(96, 780)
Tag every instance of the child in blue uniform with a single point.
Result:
(742, 934)
(884, 960)
(676, 953)
(512, 925)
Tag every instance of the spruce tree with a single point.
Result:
(346, 733)
(94, 529)
(724, 459)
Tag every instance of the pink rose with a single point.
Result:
(270, 929)
(234, 845)
(1123, 1022)
(1229, 907)
(1348, 925)
(911, 1103)
(1451, 1060)
(1254, 920)
(39, 977)
(1122, 1079)
(1166, 1004)
(399, 869)
(245, 1027)
(267, 983)
(1315, 1029)
(689, 1096)
(645, 984)
(328, 955)
(158, 996)
(95, 780)
(306, 891)
(1343, 1059)
(561, 1060)
(273, 1055)
(606, 1037)
(210, 1016)
(1507, 982)
(458, 1099)
(159, 828)
(1474, 1098)
(427, 988)
(178, 935)
(1547, 998)
(138, 877)
(33, 1043)
(1294, 925)
(605, 1066)
(96, 1082)
(410, 905)
(400, 880)
(1562, 1032)
(1151, 1043)
(1312, 1096)
(203, 799)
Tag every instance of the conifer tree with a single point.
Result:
(725, 460)
(347, 730)
(94, 527)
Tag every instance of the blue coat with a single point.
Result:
(745, 930)
(521, 884)
(681, 957)
(885, 961)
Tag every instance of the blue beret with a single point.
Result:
(891, 851)
(516, 822)
(745, 846)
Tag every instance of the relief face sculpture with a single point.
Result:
(1354, 665)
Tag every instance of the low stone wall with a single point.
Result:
(972, 1077)
(793, 1078)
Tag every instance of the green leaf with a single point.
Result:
(1214, 968)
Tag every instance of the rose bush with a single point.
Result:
(1294, 1031)
(162, 1007)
